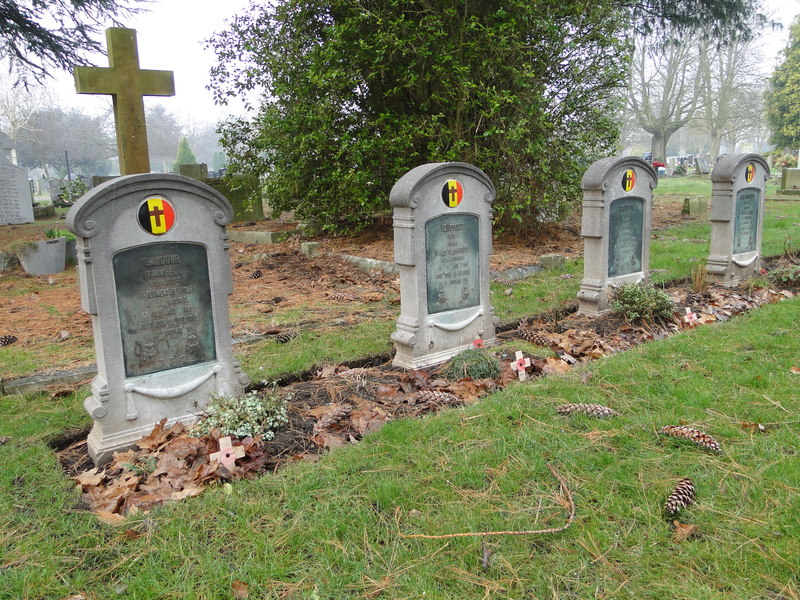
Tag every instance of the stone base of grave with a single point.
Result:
(592, 298)
(406, 360)
(102, 446)
(730, 272)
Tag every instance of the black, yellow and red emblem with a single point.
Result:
(628, 180)
(452, 193)
(156, 216)
(750, 173)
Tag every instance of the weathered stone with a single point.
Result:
(16, 202)
(552, 261)
(695, 207)
(737, 216)
(617, 213)
(155, 275)
(195, 171)
(310, 248)
(442, 242)
(127, 84)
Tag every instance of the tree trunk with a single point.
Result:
(658, 146)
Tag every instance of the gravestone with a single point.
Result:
(155, 275)
(16, 202)
(617, 214)
(195, 171)
(442, 242)
(737, 215)
(790, 182)
(56, 187)
(126, 83)
(701, 165)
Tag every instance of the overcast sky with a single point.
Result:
(170, 37)
(172, 32)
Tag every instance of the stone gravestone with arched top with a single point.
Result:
(617, 214)
(155, 276)
(442, 242)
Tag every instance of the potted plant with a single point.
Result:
(41, 258)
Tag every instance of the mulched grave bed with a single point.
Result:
(336, 405)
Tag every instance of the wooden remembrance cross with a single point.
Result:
(127, 84)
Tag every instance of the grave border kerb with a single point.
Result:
(79, 214)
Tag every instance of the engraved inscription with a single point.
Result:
(745, 227)
(625, 233)
(164, 301)
(14, 191)
(451, 252)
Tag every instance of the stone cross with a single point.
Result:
(228, 453)
(127, 84)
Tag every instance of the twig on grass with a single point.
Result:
(570, 518)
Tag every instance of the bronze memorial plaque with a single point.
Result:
(164, 301)
(451, 253)
(745, 225)
(625, 230)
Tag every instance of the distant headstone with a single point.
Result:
(701, 165)
(243, 193)
(672, 162)
(195, 171)
(127, 84)
(155, 275)
(442, 242)
(56, 187)
(16, 202)
(737, 215)
(790, 182)
(617, 213)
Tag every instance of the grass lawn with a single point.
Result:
(333, 529)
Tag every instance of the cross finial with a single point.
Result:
(127, 84)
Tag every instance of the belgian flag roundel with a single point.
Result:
(156, 216)
(452, 193)
(750, 173)
(628, 180)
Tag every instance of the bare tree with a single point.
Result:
(664, 90)
(731, 90)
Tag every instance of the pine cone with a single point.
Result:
(285, 336)
(593, 410)
(277, 300)
(333, 416)
(681, 497)
(565, 276)
(257, 274)
(504, 281)
(535, 337)
(434, 397)
(695, 435)
(7, 340)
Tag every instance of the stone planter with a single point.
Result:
(7, 260)
(72, 252)
(45, 258)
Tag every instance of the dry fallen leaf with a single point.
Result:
(240, 590)
(683, 531)
(109, 518)
(795, 370)
(555, 365)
